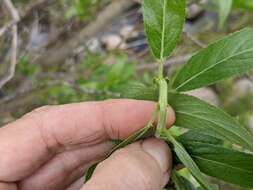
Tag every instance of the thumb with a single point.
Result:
(142, 165)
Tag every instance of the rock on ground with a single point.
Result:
(206, 94)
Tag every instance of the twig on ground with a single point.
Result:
(28, 10)
(56, 79)
(249, 77)
(194, 39)
(14, 13)
(6, 27)
(13, 60)
(56, 55)
(15, 16)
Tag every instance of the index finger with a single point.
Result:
(32, 140)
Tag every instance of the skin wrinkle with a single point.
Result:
(58, 144)
(76, 132)
(49, 128)
(54, 144)
(75, 175)
(8, 186)
(143, 178)
(134, 156)
(33, 119)
(51, 149)
(54, 184)
(76, 185)
(77, 160)
(47, 135)
(85, 142)
(113, 131)
(148, 181)
(96, 136)
(64, 166)
(72, 176)
(107, 124)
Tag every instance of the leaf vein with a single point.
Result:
(210, 67)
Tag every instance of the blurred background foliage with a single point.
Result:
(83, 50)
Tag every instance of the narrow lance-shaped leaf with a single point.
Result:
(163, 20)
(244, 4)
(223, 163)
(193, 113)
(181, 183)
(139, 91)
(200, 135)
(230, 56)
(186, 159)
(224, 11)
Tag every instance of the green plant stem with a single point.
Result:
(166, 135)
(163, 101)
(160, 72)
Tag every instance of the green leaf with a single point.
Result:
(225, 164)
(181, 183)
(230, 56)
(200, 135)
(187, 160)
(193, 113)
(139, 91)
(143, 133)
(244, 4)
(163, 20)
(90, 171)
(224, 11)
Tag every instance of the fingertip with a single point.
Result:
(171, 116)
(160, 151)
(166, 179)
(141, 165)
(124, 117)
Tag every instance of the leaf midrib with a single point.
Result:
(223, 164)
(163, 30)
(210, 67)
(248, 144)
(192, 166)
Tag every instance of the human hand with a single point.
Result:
(50, 148)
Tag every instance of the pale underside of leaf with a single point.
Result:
(181, 183)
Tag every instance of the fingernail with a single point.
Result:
(160, 151)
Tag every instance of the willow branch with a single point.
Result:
(195, 40)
